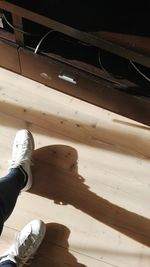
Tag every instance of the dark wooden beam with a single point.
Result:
(88, 87)
(94, 39)
(17, 23)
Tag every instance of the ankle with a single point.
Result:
(25, 175)
(7, 259)
(20, 174)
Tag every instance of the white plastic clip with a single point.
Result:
(1, 23)
(67, 78)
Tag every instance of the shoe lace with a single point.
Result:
(14, 163)
(26, 256)
(21, 157)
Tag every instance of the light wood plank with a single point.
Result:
(87, 177)
(74, 118)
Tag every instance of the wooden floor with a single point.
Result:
(91, 178)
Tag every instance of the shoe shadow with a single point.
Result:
(54, 250)
(55, 175)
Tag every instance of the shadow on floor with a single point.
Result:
(126, 142)
(52, 254)
(56, 177)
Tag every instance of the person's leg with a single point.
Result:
(25, 246)
(19, 176)
(8, 263)
(10, 187)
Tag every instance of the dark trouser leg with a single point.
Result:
(8, 263)
(10, 187)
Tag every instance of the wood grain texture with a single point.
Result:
(90, 178)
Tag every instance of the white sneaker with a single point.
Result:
(26, 244)
(22, 154)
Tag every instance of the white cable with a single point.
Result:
(14, 28)
(110, 76)
(137, 69)
(37, 47)
(101, 65)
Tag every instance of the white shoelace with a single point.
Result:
(26, 256)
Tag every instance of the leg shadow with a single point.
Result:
(56, 177)
(54, 251)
